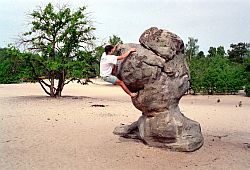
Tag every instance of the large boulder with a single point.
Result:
(158, 72)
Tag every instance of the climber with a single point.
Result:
(107, 63)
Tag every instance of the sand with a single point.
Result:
(39, 132)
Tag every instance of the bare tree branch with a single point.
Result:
(44, 82)
(70, 81)
(44, 88)
(78, 81)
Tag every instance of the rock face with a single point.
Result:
(158, 72)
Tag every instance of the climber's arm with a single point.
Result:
(121, 57)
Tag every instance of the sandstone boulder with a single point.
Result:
(158, 72)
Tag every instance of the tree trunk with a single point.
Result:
(52, 94)
(52, 84)
(60, 84)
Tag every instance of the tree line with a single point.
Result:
(219, 72)
(60, 48)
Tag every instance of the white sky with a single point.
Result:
(213, 22)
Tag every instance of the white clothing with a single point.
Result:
(106, 64)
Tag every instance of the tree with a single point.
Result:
(220, 51)
(221, 76)
(212, 52)
(200, 54)
(113, 40)
(215, 73)
(197, 67)
(238, 52)
(11, 65)
(63, 40)
(246, 64)
(191, 48)
(216, 52)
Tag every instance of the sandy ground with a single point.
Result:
(38, 132)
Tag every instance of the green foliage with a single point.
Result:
(222, 77)
(191, 48)
(98, 53)
(246, 64)
(86, 60)
(200, 54)
(11, 66)
(247, 89)
(62, 40)
(114, 40)
(238, 52)
(211, 52)
(197, 67)
(215, 74)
